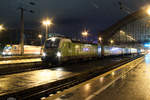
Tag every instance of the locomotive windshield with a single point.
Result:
(52, 43)
(7, 47)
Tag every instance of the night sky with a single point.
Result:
(69, 16)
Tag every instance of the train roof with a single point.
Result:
(83, 42)
(74, 41)
(58, 37)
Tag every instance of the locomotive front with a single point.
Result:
(7, 51)
(51, 51)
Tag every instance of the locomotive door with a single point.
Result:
(64, 50)
(68, 49)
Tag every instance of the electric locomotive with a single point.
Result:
(59, 49)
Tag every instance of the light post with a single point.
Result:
(47, 23)
(85, 34)
(148, 11)
(111, 41)
(102, 46)
(22, 31)
(100, 39)
(22, 10)
(40, 36)
(1, 27)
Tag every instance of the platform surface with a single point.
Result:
(123, 84)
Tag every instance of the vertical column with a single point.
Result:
(22, 32)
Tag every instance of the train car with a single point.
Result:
(112, 51)
(133, 50)
(107, 51)
(15, 49)
(59, 49)
(141, 51)
(126, 51)
(116, 51)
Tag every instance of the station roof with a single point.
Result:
(110, 31)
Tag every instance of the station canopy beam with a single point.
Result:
(126, 26)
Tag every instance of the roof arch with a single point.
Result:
(110, 31)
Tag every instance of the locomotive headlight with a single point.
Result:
(43, 54)
(9, 53)
(4, 53)
(58, 54)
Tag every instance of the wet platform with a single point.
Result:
(21, 81)
(128, 82)
(25, 80)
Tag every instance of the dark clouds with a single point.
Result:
(68, 15)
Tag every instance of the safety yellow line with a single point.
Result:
(122, 66)
(81, 84)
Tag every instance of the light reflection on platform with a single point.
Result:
(21, 81)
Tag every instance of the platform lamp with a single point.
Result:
(85, 34)
(100, 39)
(111, 41)
(47, 22)
(1, 27)
(40, 36)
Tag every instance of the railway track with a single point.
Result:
(36, 93)
(23, 67)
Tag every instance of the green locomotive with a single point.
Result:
(59, 49)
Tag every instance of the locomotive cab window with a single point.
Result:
(52, 43)
(69, 45)
(8, 48)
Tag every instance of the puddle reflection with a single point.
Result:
(101, 79)
(87, 87)
(147, 59)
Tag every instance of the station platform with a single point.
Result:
(127, 82)
(4, 62)
(3, 58)
(16, 64)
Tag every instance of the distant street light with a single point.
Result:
(40, 36)
(111, 41)
(47, 23)
(148, 11)
(100, 39)
(122, 32)
(1, 27)
(85, 34)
